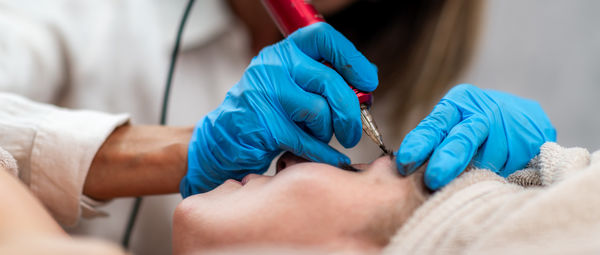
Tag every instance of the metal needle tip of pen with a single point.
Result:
(385, 150)
(370, 128)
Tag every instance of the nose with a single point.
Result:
(383, 162)
(288, 159)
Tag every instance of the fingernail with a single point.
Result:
(434, 181)
(406, 169)
(405, 158)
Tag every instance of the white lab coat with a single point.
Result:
(113, 56)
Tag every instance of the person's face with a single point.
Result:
(307, 204)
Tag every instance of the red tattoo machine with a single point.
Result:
(290, 15)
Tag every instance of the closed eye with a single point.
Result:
(350, 168)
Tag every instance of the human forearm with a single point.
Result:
(139, 160)
(26, 227)
(20, 212)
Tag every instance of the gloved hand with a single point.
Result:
(286, 100)
(491, 129)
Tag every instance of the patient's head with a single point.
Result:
(304, 204)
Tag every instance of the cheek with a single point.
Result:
(206, 222)
(294, 209)
(273, 213)
(313, 210)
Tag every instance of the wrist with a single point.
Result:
(139, 160)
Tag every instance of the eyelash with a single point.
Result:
(349, 168)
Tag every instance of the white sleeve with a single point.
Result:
(32, 60)
(54, 149)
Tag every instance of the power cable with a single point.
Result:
(163, 116)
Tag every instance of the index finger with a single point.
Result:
(321, 41)
(418, 145)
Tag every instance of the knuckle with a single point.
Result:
(480, 121)
(319, 109)
(328, 75)
(345, 117)
(465, 140)
(462, 89)
(320, 27)
(265, 52)
(331, 85)
(314, 110)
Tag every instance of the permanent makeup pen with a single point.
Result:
(290, 15)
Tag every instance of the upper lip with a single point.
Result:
(245, 180)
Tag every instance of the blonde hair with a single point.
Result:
(420, 47)
(442, 54)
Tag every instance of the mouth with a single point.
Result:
(234, 182)
(245, 180)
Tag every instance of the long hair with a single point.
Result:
(420, 47)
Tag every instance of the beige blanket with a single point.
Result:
(552, 207)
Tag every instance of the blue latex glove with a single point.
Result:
(491, 129)
(286, 100)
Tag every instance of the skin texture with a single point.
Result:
(139, 160)
(27, 228)
(305, 204)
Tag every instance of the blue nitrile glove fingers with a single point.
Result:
(489, 129)
(539, 128)
(319, 79)
(418, 145)
(321, 41)
(233, 141)
(286, 100)
(455, 152)
(312, 113)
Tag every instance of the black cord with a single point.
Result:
(163, 115)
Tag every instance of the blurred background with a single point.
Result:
(546, 50)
